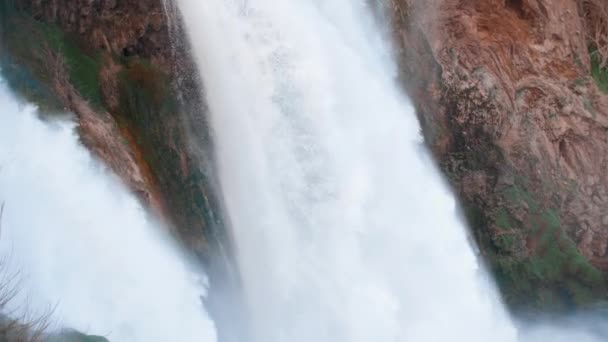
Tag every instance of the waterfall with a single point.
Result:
(343, 228)
(83, 244)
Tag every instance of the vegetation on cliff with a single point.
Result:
(599, 71)
(596, 32)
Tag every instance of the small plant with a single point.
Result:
(599, 72)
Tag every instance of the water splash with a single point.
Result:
(83, 243)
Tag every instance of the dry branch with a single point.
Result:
(26, 327)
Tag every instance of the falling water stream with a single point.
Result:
(83, 244)
(344, 229)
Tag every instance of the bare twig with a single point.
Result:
(27, 327)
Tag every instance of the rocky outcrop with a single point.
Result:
(513, 114)
(122, 67)
(117, 27)
(114, 65)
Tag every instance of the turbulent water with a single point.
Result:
(344, 230)
(84, 245)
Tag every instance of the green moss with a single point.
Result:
(69, 335)
(600, 74)
(504, 220)
(26, 85)
(536, 264)
(32, 43)
(554, 275)
(84, 72)
(505, 239)
(517, 284)
(83, 68)
(518, 195)
(549, 219)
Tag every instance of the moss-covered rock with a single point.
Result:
(535, 263)
(599, 72)
(69, 335)
(34, 48)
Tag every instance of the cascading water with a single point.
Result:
(343, 227)
(84, 244)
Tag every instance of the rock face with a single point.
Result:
(119, 27)
(510, 109)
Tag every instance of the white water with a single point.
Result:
(83, 243)
(344, 229)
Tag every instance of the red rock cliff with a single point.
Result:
(505, 91)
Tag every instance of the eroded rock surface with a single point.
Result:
(505, 92)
